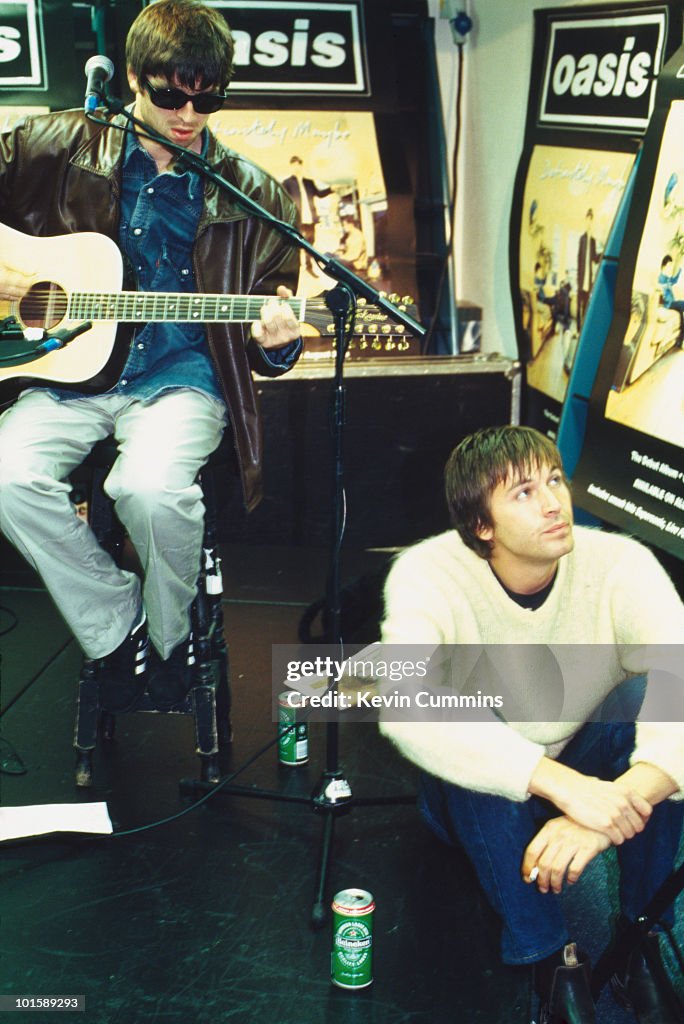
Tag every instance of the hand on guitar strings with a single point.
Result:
(14, 283)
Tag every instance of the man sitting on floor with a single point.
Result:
(516, 571)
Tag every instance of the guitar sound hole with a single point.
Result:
(44, 305)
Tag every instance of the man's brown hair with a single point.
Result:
(182, 40)
(480, 463)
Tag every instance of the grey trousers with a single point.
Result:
(162, 446)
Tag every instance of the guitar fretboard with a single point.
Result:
(158, 306)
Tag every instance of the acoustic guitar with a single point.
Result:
(78, 278)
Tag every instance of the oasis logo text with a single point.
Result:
(601, 72)
(297, 47)
(21, 49)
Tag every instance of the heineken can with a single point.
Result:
(352, 953)
(293, 744)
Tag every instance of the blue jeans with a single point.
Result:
(495, 831)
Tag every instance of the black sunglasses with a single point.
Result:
(174, 99)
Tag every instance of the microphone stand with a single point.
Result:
(333, 795)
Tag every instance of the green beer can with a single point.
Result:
(293, 744)
(352, 953)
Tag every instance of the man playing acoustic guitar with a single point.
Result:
(181, 383)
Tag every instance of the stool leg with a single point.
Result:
(206, 736)
(87, 717)
(211, 692)
(213, 585)
(83, 772)
(204, 688)
(223, 694)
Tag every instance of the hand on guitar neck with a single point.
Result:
(278, 325)
(14, 283)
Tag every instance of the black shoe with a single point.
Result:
(121, 674)
(643, 986)
(170, 681)
(563, 984)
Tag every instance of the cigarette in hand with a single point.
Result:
(534, 874)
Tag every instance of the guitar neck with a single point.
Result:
(177, 307)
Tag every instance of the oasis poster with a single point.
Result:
(592, 93)
(631, 469)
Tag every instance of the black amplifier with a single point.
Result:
(403, 416)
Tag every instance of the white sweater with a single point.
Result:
(609, 591)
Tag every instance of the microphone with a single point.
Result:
(98, 70)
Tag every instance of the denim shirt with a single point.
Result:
(159, 218)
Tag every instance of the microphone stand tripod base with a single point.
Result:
(332, 795)
(331, 798)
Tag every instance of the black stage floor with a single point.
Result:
(207, 918)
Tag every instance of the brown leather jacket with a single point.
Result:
(60, 173)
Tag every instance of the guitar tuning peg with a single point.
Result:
(372, 328)
(376, 344)
(399, 329)
(394, 298)
(386, 329)
(407, 300)
(361, 302)
(383, 295)
(330, 328)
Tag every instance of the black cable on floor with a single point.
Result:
(99, 837)
(91, 837)
(302, 716)
(207, 796)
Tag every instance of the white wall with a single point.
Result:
(497, 58)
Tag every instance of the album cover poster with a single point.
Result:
(631, 471)
(647, 392)
(569, 204)
(329, 162)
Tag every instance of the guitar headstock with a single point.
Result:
(370, 320)
(374, 332)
